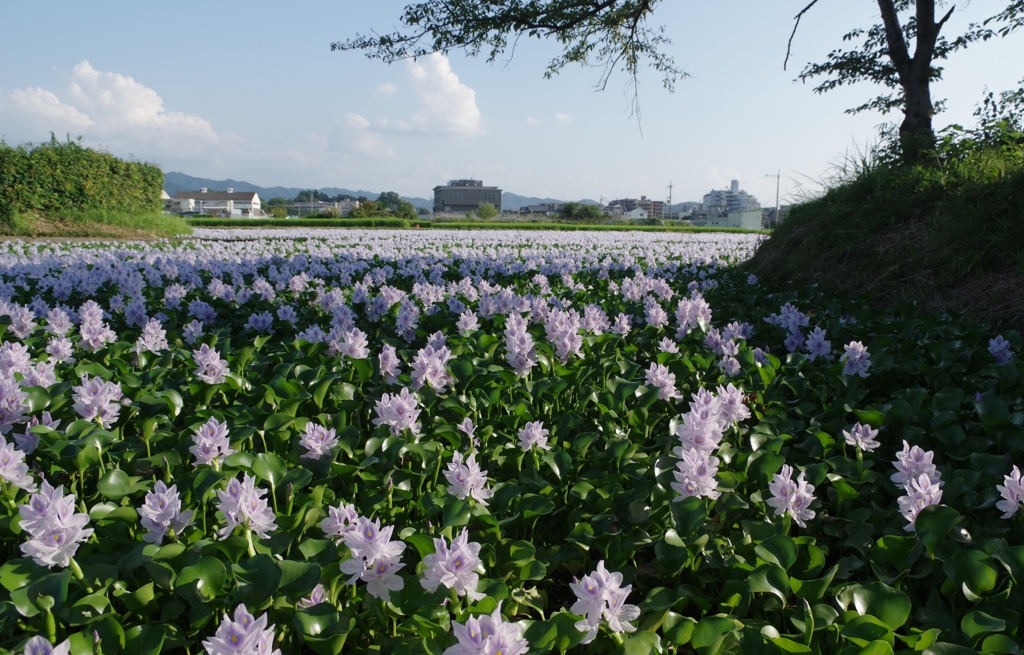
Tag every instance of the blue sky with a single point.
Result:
(251, 91)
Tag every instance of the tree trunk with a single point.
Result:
(916, 135)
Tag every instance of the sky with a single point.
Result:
(251, 91)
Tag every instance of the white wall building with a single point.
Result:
(722, 201)
(244, 204)
(747, 220)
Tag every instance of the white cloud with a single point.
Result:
(386, 89)
(444, 103)
(558, 118)
(107, 108)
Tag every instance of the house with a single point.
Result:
(228, 204)
(747, 220)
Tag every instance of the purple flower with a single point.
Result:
(97, 400)
(398, 412)
(466, 480)
(659, 376)
(695, 475)
(242, 635)
(1012, 492)
(1000, 349)
(210, 444)
(56, 529)
(487, 635)
(318, 441)
(921, 492)
(862, 436)
(533, 435)
(601, 595)
(818, 346)
(340, 521)
(454, 567)
(13, 469)
(856, 359)
(41, 646)
(315, 597)
(792, 497)
(161, 513)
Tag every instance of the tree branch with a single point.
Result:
(894, 37)
(789, 45)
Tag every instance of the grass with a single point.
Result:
(101, 224)
(948, 236)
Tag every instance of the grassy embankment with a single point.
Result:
(948, 236)
(96, 224)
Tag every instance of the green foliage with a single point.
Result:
(98, 223)
(55, 177)
(304, 222)
(486, 211)
(278, 211)
(582, 212)
(929, 233)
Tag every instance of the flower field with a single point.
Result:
(493, 443)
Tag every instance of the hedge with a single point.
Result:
(55, 178)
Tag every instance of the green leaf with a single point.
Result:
(297, 578)
(978, 623)
(862, 630)
(933, 523)
(973, 568)
(145, 639)
(277, 422)
(709, 634)
(641, 643)
(16, 573)
(790, 646)
(270, 467)
(115, 485)
(999, 644)
(769, 578)
(678, 629)
(689, 515)
(206, 578)
(257, 579)
(890, 606)
(877, 648)
(533, 505)
(456, 512)
(778, 549)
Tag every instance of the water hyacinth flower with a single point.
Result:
(243, 505)
(466, 480)
(695, 476)
(1000, 349)
(601, 595)
(318, 441)
(60, 349)
(468, 322)
(921, 492)
(863, 437)
(666, 345)
(856, 360)
(55, 528)
(375, 558)
(41, 646)
(792, 497)
(161, 513)
(398, 411)
(912, 462)
(1012, 492)
(488, 634)
(243, 634)
(454, 567)
(315, 597)
(153, 338)
(389, 364)
(210, 367)
(97, 400)
(817, 346)
(13, 469)
(210, 444)
(534, 435)
(340, 521)
(429, 368)
(659, 376)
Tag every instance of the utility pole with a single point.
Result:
(669, 201)
(777, 176)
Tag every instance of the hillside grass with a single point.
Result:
(947, 236)
(95, 223)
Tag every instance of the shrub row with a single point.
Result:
(55, 178)
(305, 222)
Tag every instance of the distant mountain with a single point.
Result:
(513, 201)
(175, 182)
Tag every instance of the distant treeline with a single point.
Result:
(65, 177)
(305, 222)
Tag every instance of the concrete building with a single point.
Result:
(722, 201)
(464, 196)
(547, 208)
(747, 220)
(622, 206)
(228, 204)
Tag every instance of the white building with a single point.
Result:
(244, 204)
(747, 220)
(722, 201)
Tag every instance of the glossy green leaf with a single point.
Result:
(114, 485)
(206, 577)
(977, 623)
(270, 467)
(709, 633)
(933, 523)
(890, 606)
(779, 550)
